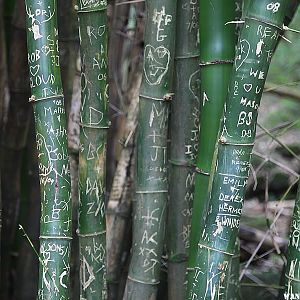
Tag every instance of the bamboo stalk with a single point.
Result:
(152, 177)
(3, 86)
(92, 157)
(292, 278)
(51, 137)
(184, 141)
(217, 54)
(230, 172)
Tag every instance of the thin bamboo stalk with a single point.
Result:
(184, 127)
(152, 176)
(51, 137)
(92, 157)
(231, 164)
(292, 278)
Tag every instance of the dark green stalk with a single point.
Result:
(233, 283)
(3, 86)
(231, 164)
(152, 175)
(292, 274)
(51, 137)
(184, 141)
(92, 157)
(217, 54)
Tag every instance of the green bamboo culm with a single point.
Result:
(231, 164)
(149, 215)
(51, 138)
(292, 274)
(184, 128)
(217, 52)
(93, 139)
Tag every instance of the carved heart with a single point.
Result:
(242, 54)
(156, 63)
(34, 69)
(45, 49)
(247, 87)
(194, 84)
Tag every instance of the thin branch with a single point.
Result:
(282, 91)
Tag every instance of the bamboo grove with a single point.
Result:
(153, 135)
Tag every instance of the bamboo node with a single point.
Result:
(223, 140)
(32, 98)
(153, 281)
(54, 237)
(200, 171)
(180, 163)
(264, 22)
(95, 126)
(216, 62)
(215, 250)
(90, 234)
(168, 96)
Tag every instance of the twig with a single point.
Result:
(282, 91)
(279, 142)
(260, 244)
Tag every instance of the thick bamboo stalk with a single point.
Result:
(184, 127)
(230, 172)
(51, 137)
(216, 54)
(92, 157)
(152, 176)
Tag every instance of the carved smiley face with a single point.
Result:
(156, 63)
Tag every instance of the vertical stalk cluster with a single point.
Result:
(217, 55)
(51, 138)
(184, 141)
(93, 135)
(227, 185)
(152, 162)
